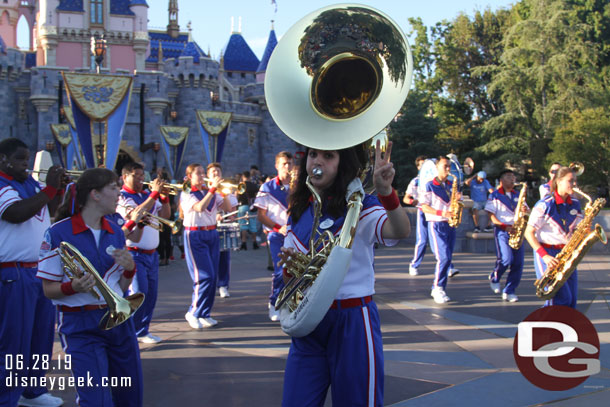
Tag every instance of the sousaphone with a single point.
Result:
(336, 79)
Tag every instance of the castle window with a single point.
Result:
(97, 11)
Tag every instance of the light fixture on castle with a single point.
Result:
(98, 49)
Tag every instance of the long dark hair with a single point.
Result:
(561, 173)
(351, 161)
(76, 196)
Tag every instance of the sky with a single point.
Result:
(211, 20)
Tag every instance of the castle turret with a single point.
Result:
(140, 37)
(173, 29)
(262, 67)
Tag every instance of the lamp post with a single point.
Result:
(98, 49)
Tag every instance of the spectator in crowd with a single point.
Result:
(479, 188)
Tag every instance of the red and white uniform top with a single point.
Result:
(554, 219)
(437, 196)
(360, 278)
(413, 189)
(207, 217)
(503, 205)
(95, 245)
(20, 241)
(150, 236)
(273, 197)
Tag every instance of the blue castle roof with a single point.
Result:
(271, 43)
(70, 5)
(138, 3)
(238, 56)
(173, 47)
(121, 7)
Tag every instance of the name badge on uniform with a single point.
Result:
(110, 249)
(573, 212)
(120, 221)
(326, 223)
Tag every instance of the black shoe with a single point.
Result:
(254, 246)
(244, 247)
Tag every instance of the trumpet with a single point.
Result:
(71, 173)
(174, 225)
(173, 189)
(228, 187)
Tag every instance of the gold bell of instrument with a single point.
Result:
(119, 309)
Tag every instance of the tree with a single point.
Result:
(585, 137)
(547, 71)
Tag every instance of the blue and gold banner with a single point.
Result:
(77, 161)
(63, 139)
(173, 141)
(99, 108)
(214, 128)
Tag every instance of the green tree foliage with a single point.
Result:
(585, 137)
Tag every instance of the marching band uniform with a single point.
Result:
(554, 220)
(145, 255)
(441, 235)
(348, 339)
(101, 354)
(421, 236)
(273, 197)
(202, 253)
(224, 264)
(27, 317)
(502, 205)
(545, 190)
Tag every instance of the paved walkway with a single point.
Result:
(459, 354)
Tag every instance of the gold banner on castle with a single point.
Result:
(69, 115)
(62, 133)
(214, 122)
(174, 135)
(98, 96)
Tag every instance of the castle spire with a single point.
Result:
(173, 29)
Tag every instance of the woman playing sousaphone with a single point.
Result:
(93, 351)
(345, 349)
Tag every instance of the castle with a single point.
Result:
(172, 76)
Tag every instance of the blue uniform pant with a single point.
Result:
(568, 293)
(275, 241)
(224, 268)
(27, 320)
(421, 239)
(109, 360)
(507, 257)
(442, 241)
(147, 282)
(345, 351)
(202, 257)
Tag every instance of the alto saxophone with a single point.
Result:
(455, 206)
(517, 233)
(581, 241)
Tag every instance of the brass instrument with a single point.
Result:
(455, 205)
(517, 233)
(175, 189)
(577, 167)
(119, 309)
(331, 87)
(174, 225)
(581, 241)
(71, 173)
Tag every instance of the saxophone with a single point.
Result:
(455, 206)
(517, 233)
(581, 241)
